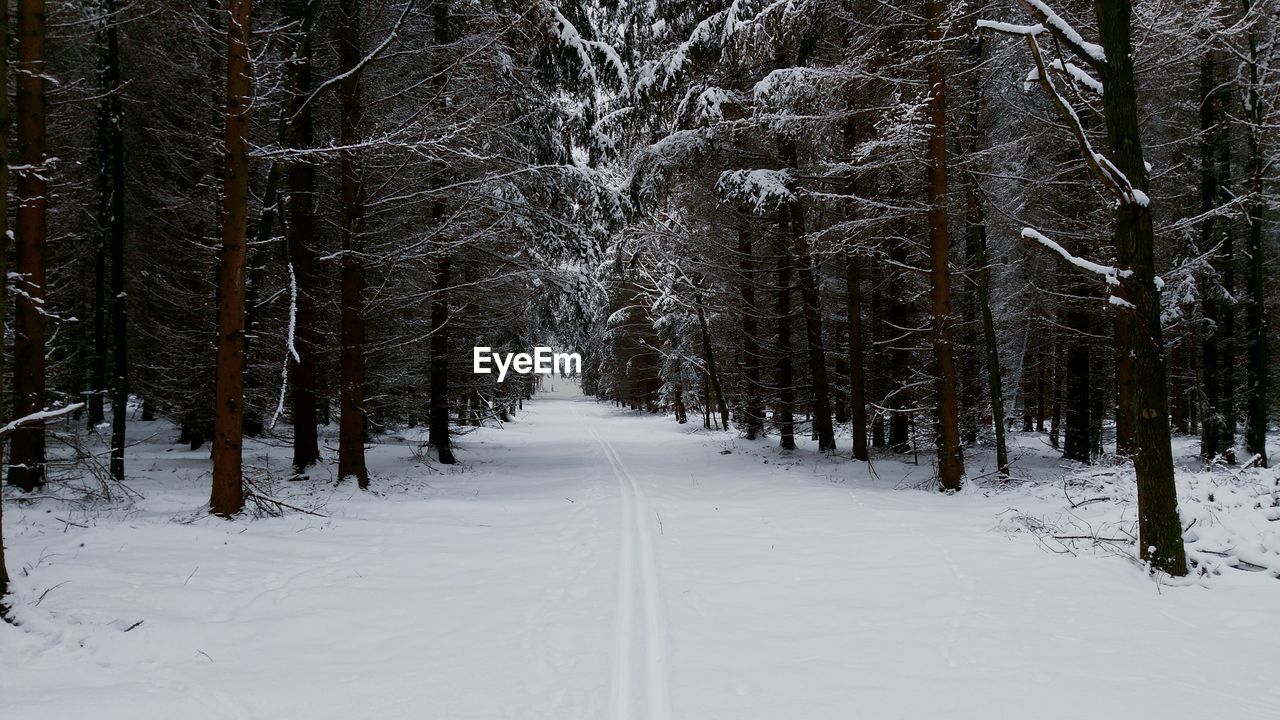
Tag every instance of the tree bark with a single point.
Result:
(438, 430)
(1212, 429)
(752, 407)
(4, 258)
(899, 311)
(812, 311)
(1255, 433)
(677, 401)
(116, 222)
(1159, 527)
(857, 369)
(783, 414)
(1078, 386)
(712, 375)
(1124, 383)
(1226, 267)
(96, 395)
(351, 463)
(227, 497)
(1055, 420)
(950, 457)
(27, 449)
(438, 415)
(982, 279)
(300, 239)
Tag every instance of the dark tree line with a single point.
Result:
(936, 224)
(891, 227)
(264, 218)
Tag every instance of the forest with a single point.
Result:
(981, 248)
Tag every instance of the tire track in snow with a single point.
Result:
(638, 584)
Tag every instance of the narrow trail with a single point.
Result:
(639, 686)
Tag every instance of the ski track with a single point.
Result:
(637, 581)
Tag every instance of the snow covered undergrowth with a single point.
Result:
(591, 563)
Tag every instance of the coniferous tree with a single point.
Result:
(27, 448)
(351, 433)
(227, 497)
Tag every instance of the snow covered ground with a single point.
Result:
(586, 562)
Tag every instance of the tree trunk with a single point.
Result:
(1097, 389)
(4, 259)
(712, 376)
(783, 418)
(899, 310)
(1055, 421)
(1255, 432)
(438, 430)
(706, 402)
(351, 427)
(1159, 528)
(1124, 384)
(857, 369)
(116, 220)
(1042, 405)
(1076, 443)
(1212, 429)
(839, 395)
(96, 395)
(27, 451)
(677, 403)
(227, 497)
(982, 279)
(812, 311)
(438, 420)
(300, 239)
(113, 172)
(752, 406)
(1226, 264)
(950, 457)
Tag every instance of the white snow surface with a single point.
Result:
(587, 562)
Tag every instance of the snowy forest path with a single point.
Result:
(587, 562)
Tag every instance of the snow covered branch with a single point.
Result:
(761, 189)
(37, 417)
(572, 39)
(1010, 28)
(1077, 74)
(1112, 275)
(1111, 176)
(1091, 53)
